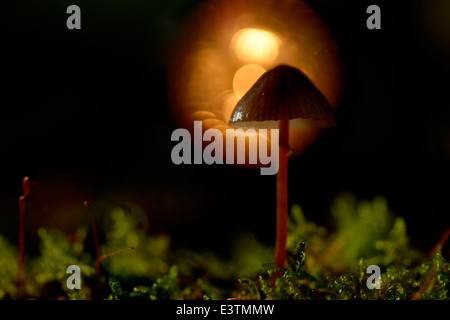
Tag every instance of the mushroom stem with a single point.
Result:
(282, 196)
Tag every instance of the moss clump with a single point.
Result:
(322, 264)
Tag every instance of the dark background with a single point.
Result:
(86, 114)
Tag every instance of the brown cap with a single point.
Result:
(283, 93)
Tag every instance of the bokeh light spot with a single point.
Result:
(245, 77)
(230, 43)
(255, 45)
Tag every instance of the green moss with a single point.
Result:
(8, 267)
(151, 254)
(322, 264)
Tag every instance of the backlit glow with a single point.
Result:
(245, 77)
(231, 43)
(255, 46)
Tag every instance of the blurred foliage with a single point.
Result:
(8, 266)
(150, 257)
(328, 264)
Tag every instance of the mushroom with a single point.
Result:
(283, 97)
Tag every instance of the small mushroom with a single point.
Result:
(283, 97)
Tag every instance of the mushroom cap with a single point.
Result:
(283, 93)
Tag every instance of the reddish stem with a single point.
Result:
(105, 256)
(441, 242)
(97, 245)
(27, 185)
(282, 198)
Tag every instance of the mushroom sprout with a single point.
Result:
(280, 98)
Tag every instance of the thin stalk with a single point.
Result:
(105, 256)
(97, 245)
(27, 185)
(425, 284)
(441, 242)
(282, 197)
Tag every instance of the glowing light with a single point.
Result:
(245, 77)
(228, 105)
(230, 47)
(255, 46)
